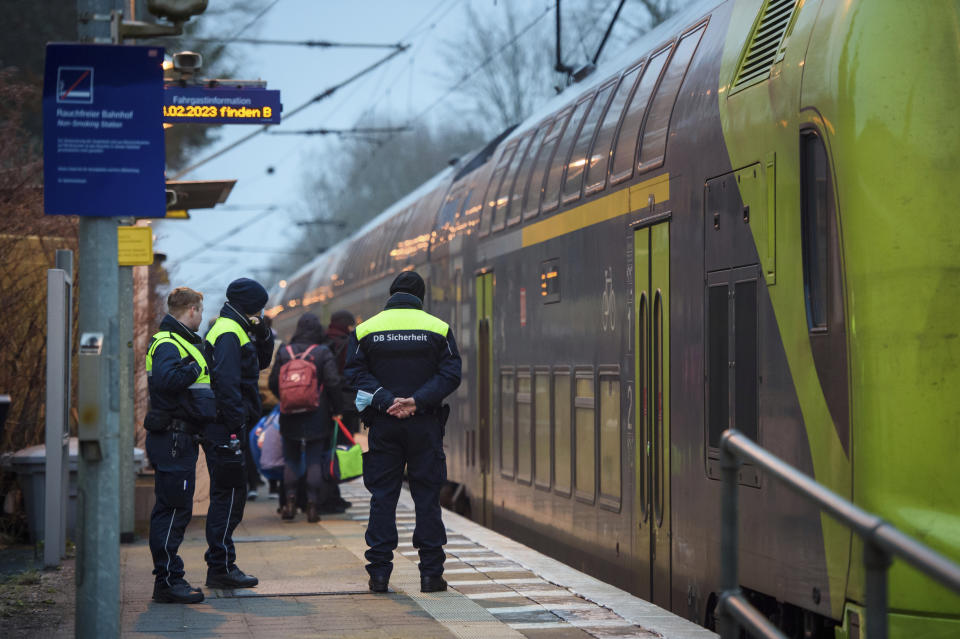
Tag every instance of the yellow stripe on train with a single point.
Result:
(600, 210)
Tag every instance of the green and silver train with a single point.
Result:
(746, 220)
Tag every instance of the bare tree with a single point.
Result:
(350, 182)
(502, 64)
(28, 242)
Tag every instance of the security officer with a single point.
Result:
(180, 403)
(403, 363)
(238, 346)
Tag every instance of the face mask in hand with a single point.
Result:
(363, 400)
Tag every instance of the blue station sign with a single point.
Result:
(103, 147)
(221, 105)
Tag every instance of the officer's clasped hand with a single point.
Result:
(402, 407)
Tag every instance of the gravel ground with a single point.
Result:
(38, 603)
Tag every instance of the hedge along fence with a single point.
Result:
(23, 354)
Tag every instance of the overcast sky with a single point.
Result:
(406, 85)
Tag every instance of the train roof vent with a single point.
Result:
(765, 42)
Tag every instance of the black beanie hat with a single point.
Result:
(408, 282)
(247, 295)
(309, 330)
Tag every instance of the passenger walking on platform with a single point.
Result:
(341, 326)
(403, 363)
(181, 402)
(338, 337)
(305, 378)
(238, 347)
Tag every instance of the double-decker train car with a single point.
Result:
(746, 220)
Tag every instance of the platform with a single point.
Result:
(312, 584)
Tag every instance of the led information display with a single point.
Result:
(102, 132)
(221, 105)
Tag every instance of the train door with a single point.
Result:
(652, 390)
(485, 283)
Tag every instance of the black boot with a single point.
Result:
(313, 515)
(179, 591)
(235, 578)
(432, 583)
(289, 506)
(378, 584)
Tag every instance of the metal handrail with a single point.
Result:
(881, 541)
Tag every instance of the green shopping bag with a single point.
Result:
(346, 462)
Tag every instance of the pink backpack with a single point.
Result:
(298, 384)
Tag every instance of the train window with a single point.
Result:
(599, 157)
(507, 423)
(718, 361)
(524, 430)
(586, 436)
(660, 449)
(472, 204)
(655, 130)
(609, 396)
(745, 353)
(551, 190)
(581, 150)
(509, 177)
(521, 184)
(531, 201)
(541, 438)
(815, 212)
(449, 210)
(295, 290)
(562, 460)
(625, 147)
(489, 201)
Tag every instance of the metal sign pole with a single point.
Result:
(98, 494)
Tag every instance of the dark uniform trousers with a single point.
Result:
(417, 442)
(228, 496)
(174, 484)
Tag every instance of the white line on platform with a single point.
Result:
(514, 568)
(542, 625)
(514, 593)
(506, 610)
(502, 582)
(599, 623)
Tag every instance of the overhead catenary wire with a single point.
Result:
(358, 130)
(317, 98)
(255, 19)
(414, 32)
(323, 44)
(457, 85)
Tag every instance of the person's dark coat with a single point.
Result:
(403, 355)
(172, 375)
(338, 338)
(316, 424)
(235, 370)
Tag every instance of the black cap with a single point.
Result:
(408, 282)
(247, 295)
